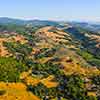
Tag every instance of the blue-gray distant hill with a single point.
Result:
(5, 21)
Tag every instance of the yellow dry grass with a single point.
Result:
(48, 82)
(19, 38)
(35, 50)
(70, 68)
(29, 80)
(43, 44)
(57, 36)
(3, 50)
(95, 37)
(44, 60)
(32, 81)
(16, 91)
(91, 94)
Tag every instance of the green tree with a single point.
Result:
(10, 69)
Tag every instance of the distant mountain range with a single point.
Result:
(87, 25)
(5, 20)
(95, 27)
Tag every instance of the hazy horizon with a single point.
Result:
(57, 10)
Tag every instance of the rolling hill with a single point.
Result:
(47, 60)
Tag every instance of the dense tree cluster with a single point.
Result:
(10, 69)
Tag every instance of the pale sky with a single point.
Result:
(88, 10)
